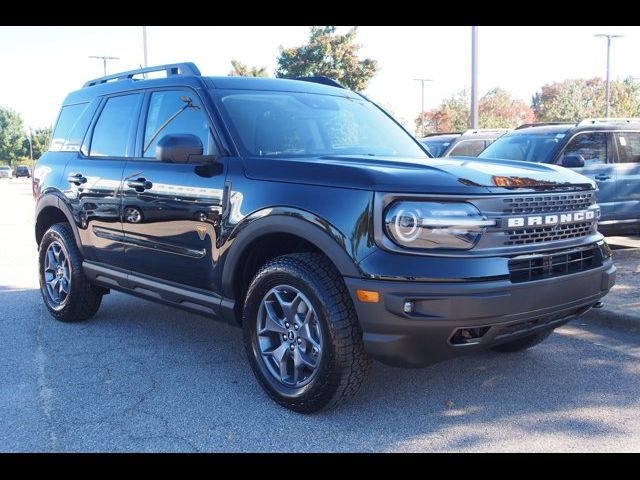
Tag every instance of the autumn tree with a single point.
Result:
(11, 136)
(576, 99)
(497, 109)
(329, 55)
(239, 69)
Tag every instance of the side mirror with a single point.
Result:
(573, 161)
(178, 148)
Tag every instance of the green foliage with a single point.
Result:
(497, 109)
(329, 55)
(40, 139)
(576, 99)
(11, 136)
(239, 69)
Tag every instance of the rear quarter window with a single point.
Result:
(71, 127)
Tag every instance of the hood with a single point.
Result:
(451, 175)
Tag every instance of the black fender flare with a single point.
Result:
(297, 222)
(54, 200)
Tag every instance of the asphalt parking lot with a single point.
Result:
(145, 377)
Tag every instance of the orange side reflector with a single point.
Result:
(367, 296)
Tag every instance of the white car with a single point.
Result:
(6, 172)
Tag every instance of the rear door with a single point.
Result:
(627, 168)
(94, 176)
(171, 211)
(597, 150)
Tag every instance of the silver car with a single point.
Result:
(6, 172)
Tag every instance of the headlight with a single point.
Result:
(435, 225)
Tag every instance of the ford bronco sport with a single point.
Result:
(302, 212)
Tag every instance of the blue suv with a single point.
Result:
(607, 150)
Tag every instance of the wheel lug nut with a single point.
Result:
(296, 326)
(299, 341)
(284, 336)
(287, 324)
(292, 347)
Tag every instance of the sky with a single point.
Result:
(41, 65)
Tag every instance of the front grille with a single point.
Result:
(548, 203)
(556, 264)
(547, 234)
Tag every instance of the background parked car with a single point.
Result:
(5, 172)
(606, 150)
(466, 144)
(22, 171)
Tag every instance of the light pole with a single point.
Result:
(422, 80)
(104, 61)
(608, 36)
(473, 121)
(30, 147)
(144, 45)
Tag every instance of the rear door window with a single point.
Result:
(628, 144)
(113, 132)
(468, 148)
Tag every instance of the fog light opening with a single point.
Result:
(468, 336)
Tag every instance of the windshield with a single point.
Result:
(530, 147)
(305, 124)
(436, 147)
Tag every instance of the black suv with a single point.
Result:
(607, 150)
(465, 144)
(22, 171)
(304, 213)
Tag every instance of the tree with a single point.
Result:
(452, 115)
(576, 99)
(498, 110)
(329, 55)
(239, 69)
(11, 135)
(40, 139)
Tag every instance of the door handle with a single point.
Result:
(76, 178)
(603, 176)
(140, 184)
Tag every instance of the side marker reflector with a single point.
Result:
(368, 296)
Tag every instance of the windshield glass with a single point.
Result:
(436, 147)
(530, 147)
(305, 124)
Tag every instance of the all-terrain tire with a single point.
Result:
(83, 299)
(343, 363)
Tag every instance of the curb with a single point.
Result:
(612, 318)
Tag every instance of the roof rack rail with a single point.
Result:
(319, 79)
(593, 121)
(542, 124)
(473, 131)
(186, 68)
(432, 134)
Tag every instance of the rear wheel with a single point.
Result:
(68, 295)
(302, 335)
(522, 343)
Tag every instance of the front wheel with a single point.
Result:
(302, 335)
(68, 295)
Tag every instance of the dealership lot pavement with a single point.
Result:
(145, 377)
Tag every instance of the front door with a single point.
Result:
(171, 211)
(597, 151)
(94, 177)
(628, 175)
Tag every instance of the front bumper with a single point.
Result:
(498, 311)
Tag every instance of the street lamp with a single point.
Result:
(104, 61)
(473, 119)
(422, 80)
(608, 36)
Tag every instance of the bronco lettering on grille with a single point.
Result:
(553, 219)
